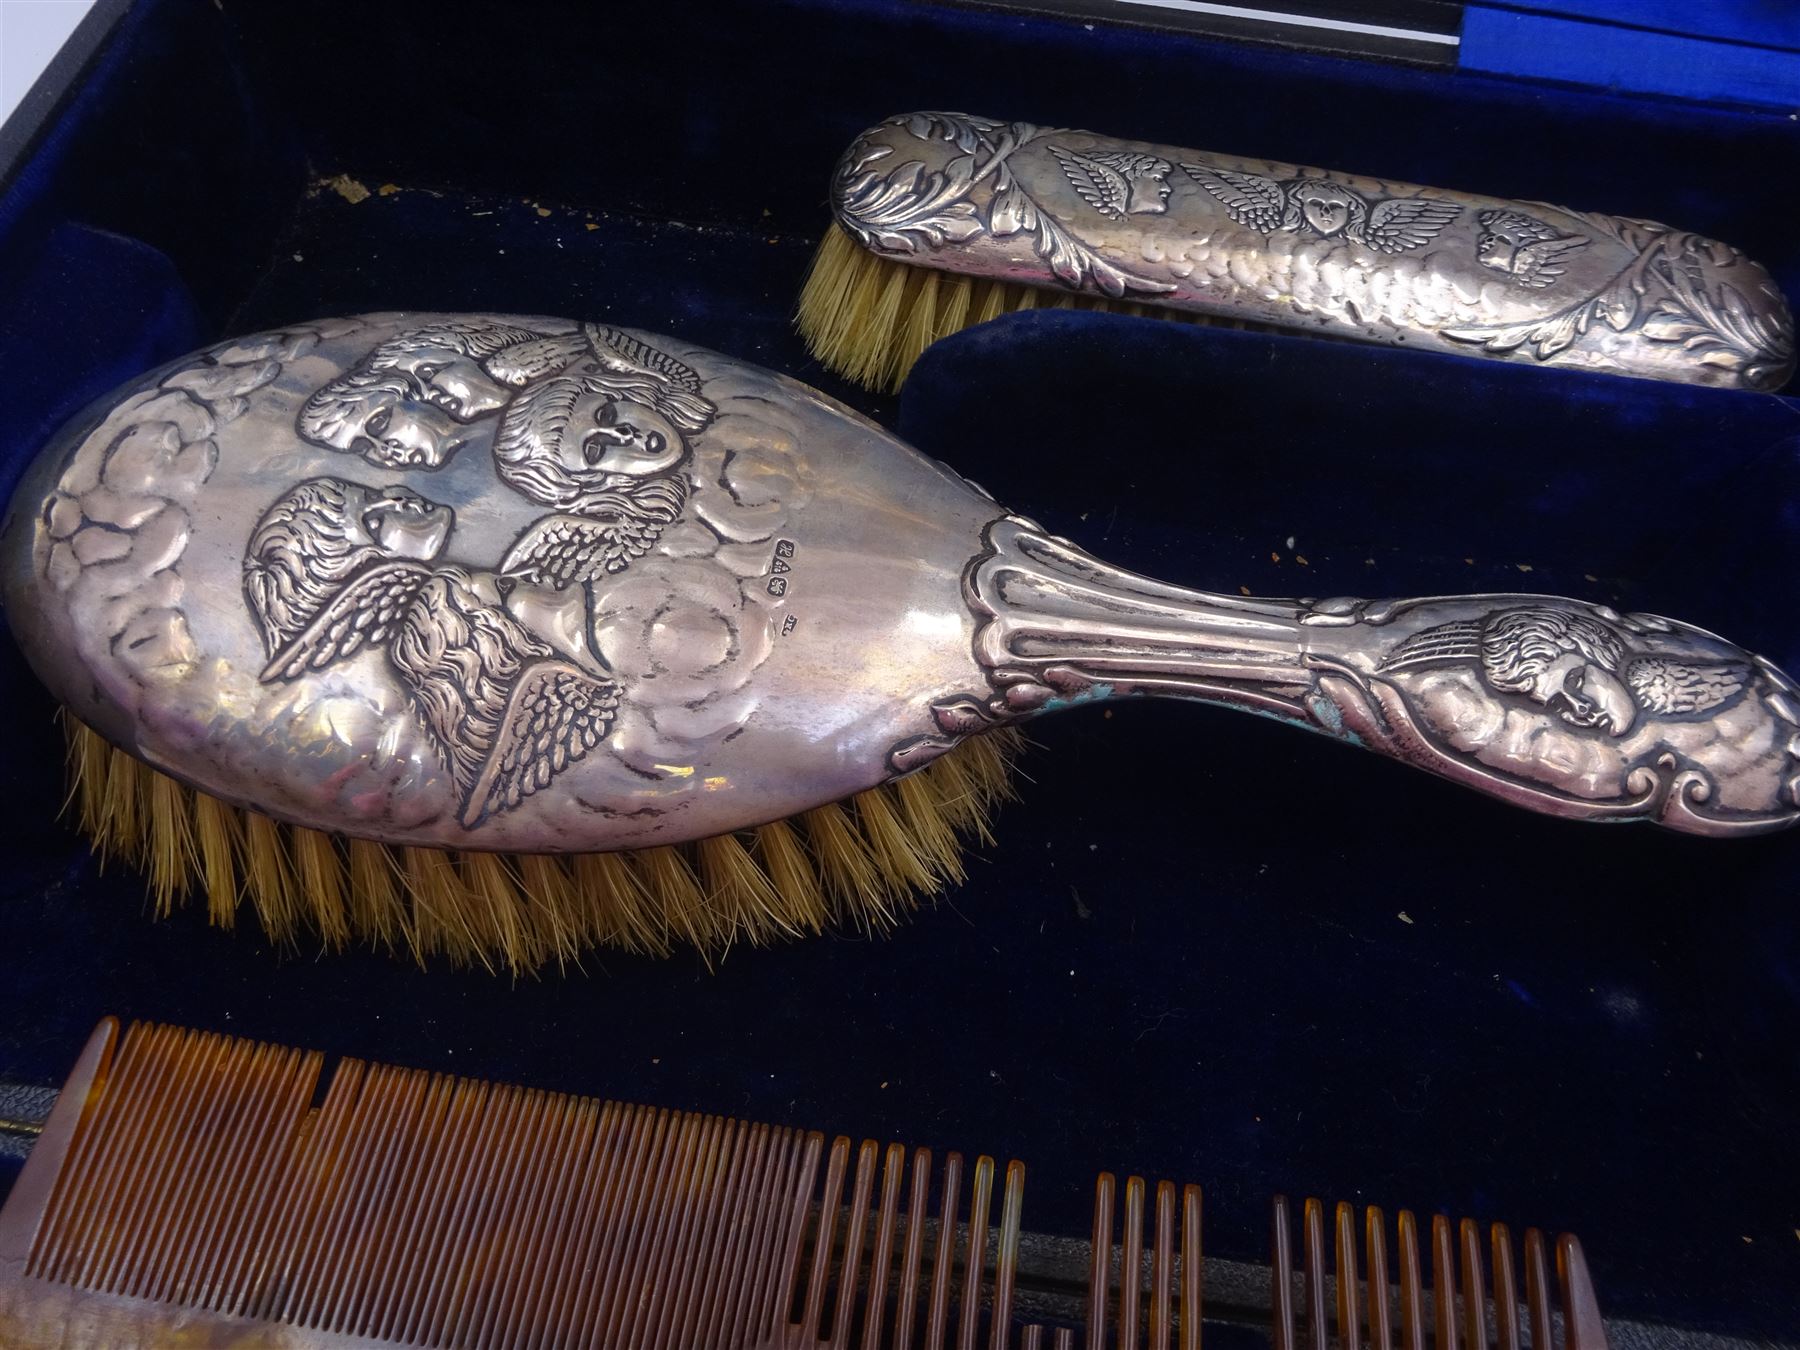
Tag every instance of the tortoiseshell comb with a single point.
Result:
(187, 1189)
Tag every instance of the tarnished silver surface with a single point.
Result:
(1316, 251)
(519, 583)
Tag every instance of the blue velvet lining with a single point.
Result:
(1205, 947)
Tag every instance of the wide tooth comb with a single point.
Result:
(1457, 1307)
(213, 1190)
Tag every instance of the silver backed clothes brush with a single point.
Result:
(521, 586)
(1002, 212)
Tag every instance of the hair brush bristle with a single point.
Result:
(862, 862)
(869, 318)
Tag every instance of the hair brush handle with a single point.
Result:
(1301, 248)
(1563, 707)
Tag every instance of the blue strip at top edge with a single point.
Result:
(1629, 60)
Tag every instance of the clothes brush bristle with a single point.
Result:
(870, 318)
(862, 864)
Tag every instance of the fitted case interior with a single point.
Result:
(1204, 947)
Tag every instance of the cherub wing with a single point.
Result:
(1407, 223)
(524, 362)
(555, 713)
(1101, 186)
(365, 612)
(642, 372)
(1663, 685)
(1540, 264)
(565, 550)
(1249, 198)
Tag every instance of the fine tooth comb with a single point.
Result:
(945, 220)
(470, 603)
(198, 1189)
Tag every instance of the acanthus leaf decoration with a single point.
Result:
(908, 208)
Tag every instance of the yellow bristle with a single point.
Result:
(321, 880)
(791, 872)
(493, 911)
(377, 903)
(219, 839)
(171, 858)
(918, 326)
(269, 878)
(852, 886)
(675, 893)
(550, 898)
(739, 892)
(861, 862)
(614, 908)
(927, 827)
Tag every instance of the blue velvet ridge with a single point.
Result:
(1204, 946)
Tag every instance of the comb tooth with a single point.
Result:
(1443, 1283)
(1131, 1264)
(1100, 1260)
(600, 1154)
(457, 1270)
(562, 1129)
(676, 1183)
(1537, 1289)
(1192, 1268)
(1506, 1291)
(626, 1294)
(674, 1279)
(640, 1190)
(365, 1197)
(281, 1242)
(743, 1317)
(771, 1317)
(110, 1063)
(1412, 1295)
(1349, 1327)
(212, 1167)
(1281, 1278)
(893, 1168)
(699, 1274)
(1034, 1338)
(1474, 1286)
(625, 1155)
(981, 1194)
(375, 1138)
(130, 1169)
(747, 1205)
(906, 1302)
(398, 1229)
(937, 1322)
(1162, 1266)
(1582, 1326)
(1006, 1264)
(642, 1146)
(835, 1168)
(1314, 1224)
(422, 1252)
(1065, 1339)
(285, 1096)
(1381, 1336)
(712, 1269)
(854, 1233)
(169, 1139)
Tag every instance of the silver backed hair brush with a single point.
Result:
(944, 220)
(471, 603)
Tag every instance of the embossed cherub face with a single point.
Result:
(450, 379)
(1584, 694)
(610, 435)
(400, 523)
(385, 417)
(1326, 206)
